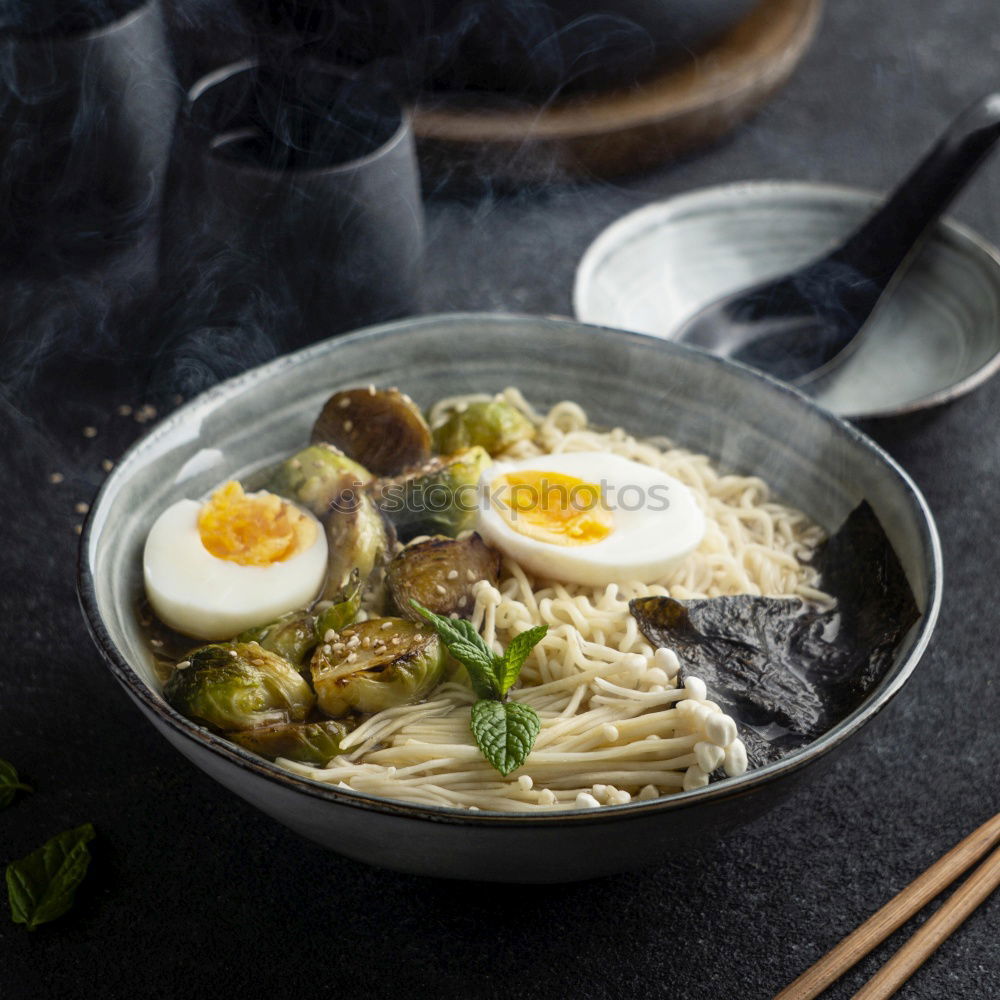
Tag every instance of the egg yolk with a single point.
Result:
(255, 530)
(552, 507)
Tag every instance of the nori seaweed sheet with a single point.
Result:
(785, 670)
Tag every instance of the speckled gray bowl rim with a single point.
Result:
(630, 226)
(216, 396)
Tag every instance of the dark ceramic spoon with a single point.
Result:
(798, 327)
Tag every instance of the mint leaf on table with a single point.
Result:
(467, 646)
(41, 886)
(9, 783)
(505, 731)
(516, 653)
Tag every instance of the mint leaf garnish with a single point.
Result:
(41, 886)
(505, 731)
(467, 646)
(516, 653)
(9, 784)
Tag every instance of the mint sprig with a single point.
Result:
(505, 731)
(10, 784)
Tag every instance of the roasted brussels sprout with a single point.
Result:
(317, 477)
(341, 611)
(440, 497)
(381, 428)
(238, 685)
(307, 742)
(358, 538)
(377, 664)
(292, 637)
(493, 425)
(440, 573)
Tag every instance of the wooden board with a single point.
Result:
(463, 138)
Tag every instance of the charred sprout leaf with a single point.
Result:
(341, 611)
(317, 477)
(377, 664)
(292, 637)
(41, 886)
(440, 573)
(468, 647)
(307, 742)
(493, 425)
(440, 497)
(505, 732)
(785, 670)
(9, 784)
(358, 539)
(238, 685)
(382, 429)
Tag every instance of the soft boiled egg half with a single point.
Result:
(589, 517)
(214, 569)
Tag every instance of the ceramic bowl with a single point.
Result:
(937, 337)
(748, 422)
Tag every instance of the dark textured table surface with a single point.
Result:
(193, 893)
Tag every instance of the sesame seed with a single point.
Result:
(327, 650)
(348, 425)
(232, 653)
(454, 616)
(463, 600)
(355, 640)
(90, 432)
(184, 664)
(441, 588)
(56, 478)
(419, 637)
(344, 403)
(107, 465)
(78, 528)
(156, 642)
(81, 508)
(366, 643)
(469, 575)
(396, 640)
(453, 574)
(371, 390)
(126, 411)
(329, 635)
(385, 625)
(338, 647)
(352, 657)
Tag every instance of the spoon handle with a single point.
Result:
(888, 238)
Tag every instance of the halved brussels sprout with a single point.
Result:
(493, 425)
(440, 497)
(381, 428)
(238, 685)
(358, 538)
(307, 742)
(377, 664)
(341, 611)
(292, 637)
(440, 573)
(317, 477)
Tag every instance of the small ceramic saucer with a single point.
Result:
(936, 338)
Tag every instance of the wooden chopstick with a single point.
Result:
(899, 909)
(918, 949)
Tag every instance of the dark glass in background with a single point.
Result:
(532, 48)
(87, 103)
(292, 212)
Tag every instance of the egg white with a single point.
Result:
(206, 597)
(646, 544)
